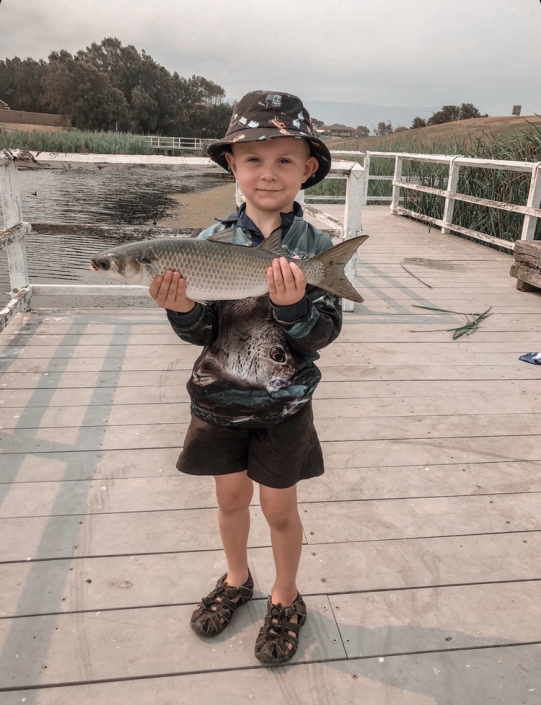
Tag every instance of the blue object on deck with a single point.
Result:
(534, 358)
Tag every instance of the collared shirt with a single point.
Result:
(244, 221)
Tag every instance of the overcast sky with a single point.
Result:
(383, 52)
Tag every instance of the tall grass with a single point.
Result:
(494, 184)
(75, 141)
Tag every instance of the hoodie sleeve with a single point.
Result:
(199, 326)
(312, 323)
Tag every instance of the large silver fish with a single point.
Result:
(217, 270)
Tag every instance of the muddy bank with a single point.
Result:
(198, 210)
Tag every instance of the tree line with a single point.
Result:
(109, 86)
(448, 113)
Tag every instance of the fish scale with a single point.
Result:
(217, 270)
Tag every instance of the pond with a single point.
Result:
(122, 196)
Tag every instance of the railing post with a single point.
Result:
(396, 189)
(352, 220)
(534, 201)
(13, 215)
(452, 183)
(366, 178)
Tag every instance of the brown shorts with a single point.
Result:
(278, 456)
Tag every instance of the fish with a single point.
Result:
(250, 351)
(216, 269)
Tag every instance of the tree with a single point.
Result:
(468, 110)
(77, 89)
(450, 113)
(400, 128)
(418, 122)
(384, 128)
(362, 131)
(21, 84)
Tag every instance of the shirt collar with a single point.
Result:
(240, 219)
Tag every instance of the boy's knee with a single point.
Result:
(279, 517)
(231, 501)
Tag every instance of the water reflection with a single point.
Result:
(127, 196)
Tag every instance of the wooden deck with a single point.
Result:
(422, 564)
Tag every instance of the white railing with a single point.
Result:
(178, 143)
(531, 211)
(12, 238)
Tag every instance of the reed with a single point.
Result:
(75, 141)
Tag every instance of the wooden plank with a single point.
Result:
(167, 489)
(338, 383)
(156, 640)
(469, 677)
(126, 534)
(335, 522)
(406, 621)
(154, 579)
(357, 355)
(132, 533)
(159, 410)
(190, 353)
(369, 396)
(170, 432)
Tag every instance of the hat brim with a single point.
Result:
(318, 149)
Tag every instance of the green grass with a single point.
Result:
(75, 141)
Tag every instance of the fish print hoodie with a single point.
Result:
(257, 364)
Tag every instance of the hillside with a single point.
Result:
(446, 134)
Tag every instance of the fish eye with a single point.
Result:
(277, 354)
(104, 264)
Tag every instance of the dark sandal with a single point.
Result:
(271, 646)
(214, 613)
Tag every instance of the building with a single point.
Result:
(3, 106)
(344, 131)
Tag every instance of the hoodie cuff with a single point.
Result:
(288, 314)
(185, 320)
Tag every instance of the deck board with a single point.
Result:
(421, 565)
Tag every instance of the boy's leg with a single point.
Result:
(282, 514)
(234, 493)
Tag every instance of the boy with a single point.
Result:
(252, 385)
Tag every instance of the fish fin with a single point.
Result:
(223, 236)
(334, 260)
(273, 244)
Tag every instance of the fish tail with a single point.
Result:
(334, 260)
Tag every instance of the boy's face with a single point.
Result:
(270, 172)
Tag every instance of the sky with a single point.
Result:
(381, 52)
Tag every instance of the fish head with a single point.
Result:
(130, 265)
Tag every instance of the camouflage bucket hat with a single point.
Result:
(265, 115)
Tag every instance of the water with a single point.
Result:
(120, 196)
(127, 196)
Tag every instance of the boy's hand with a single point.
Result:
(286, 282)
(169, 292)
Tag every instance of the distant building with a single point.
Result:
(517, 109)
(338, 130)
(3, 106)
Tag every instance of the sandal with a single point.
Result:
(275, 644)
(214, 613)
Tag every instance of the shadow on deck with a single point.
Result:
(421, 568)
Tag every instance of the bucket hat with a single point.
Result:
(265, 115)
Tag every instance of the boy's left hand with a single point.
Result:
(286, 282)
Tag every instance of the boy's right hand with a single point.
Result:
(169, 292)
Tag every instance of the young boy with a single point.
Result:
(252, 385)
